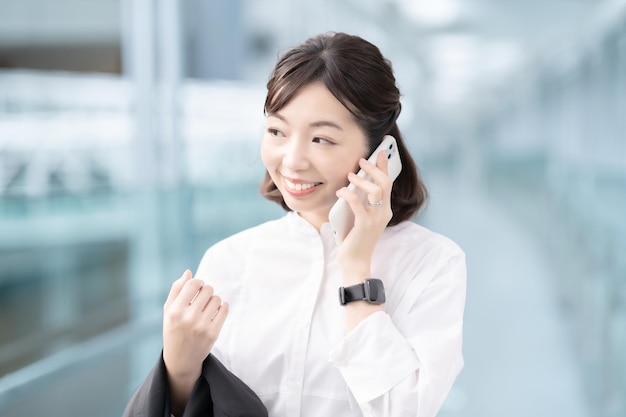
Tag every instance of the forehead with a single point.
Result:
(312, 101)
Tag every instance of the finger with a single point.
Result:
(220, 316)
(177, 286)
(188, 293)
(365, 185)
(378, 172)
(212, 305)
(214, 313)
(201, 299)
(352, 199)
(382, 161)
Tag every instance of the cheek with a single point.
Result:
(341, 171)
(267, 155)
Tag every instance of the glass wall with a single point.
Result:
(571, 190)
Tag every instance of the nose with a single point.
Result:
(295, 157)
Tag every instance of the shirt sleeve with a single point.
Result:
(405, 364)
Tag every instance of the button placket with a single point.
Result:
(303, 329)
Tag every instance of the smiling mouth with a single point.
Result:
(300, 187)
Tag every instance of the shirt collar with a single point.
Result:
(301, 225)
(298, 223)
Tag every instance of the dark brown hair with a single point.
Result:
(357, 74)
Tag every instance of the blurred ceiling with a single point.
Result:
(521, 20)
(457, 47)
(470, 45)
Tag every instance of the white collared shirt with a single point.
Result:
(285, 334)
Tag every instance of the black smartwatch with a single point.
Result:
(371, 290)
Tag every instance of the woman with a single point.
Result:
(265, 301)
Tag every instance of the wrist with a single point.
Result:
(354, 277)
(362, 300)
(372, 291)
(354, 272)
(187, 370)
(190, 374)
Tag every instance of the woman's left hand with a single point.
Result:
(370, 219)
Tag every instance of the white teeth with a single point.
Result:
(299, 187)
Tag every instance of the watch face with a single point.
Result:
(374, 291)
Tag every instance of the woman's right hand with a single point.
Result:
(192, 319)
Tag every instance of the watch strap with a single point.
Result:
(352, 293)
(371, 290)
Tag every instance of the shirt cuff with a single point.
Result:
(374, 357)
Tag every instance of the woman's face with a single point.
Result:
(309, 147)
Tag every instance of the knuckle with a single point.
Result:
(207, 333)
(194, 284)
(184, 320)
(209, 289)
(198, 331)
(225, 308)
(173, 316)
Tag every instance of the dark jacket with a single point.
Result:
(218, 393)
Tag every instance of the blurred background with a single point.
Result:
(129, 139)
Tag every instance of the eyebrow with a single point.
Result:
(319, 123)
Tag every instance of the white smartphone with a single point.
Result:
(341, 216)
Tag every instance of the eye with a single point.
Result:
(323, 141)
(274, 132)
